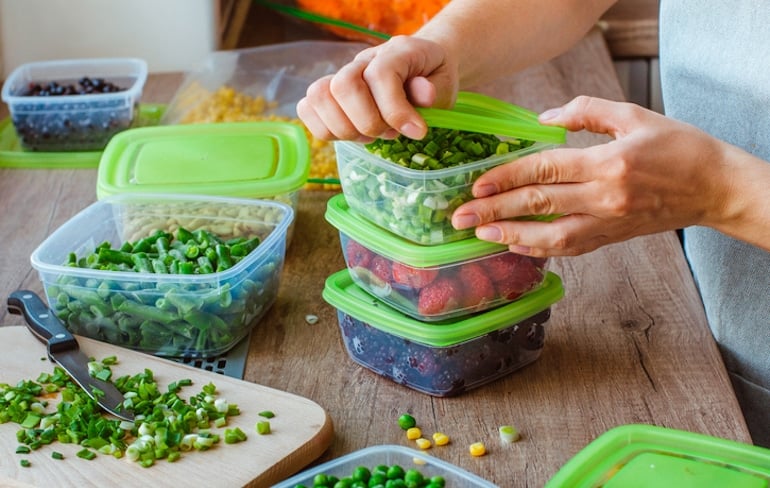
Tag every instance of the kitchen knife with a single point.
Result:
(63, 349)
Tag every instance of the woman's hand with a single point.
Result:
(657, 174)
(374, 95)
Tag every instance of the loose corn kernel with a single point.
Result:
(440, 439)
(423, 443)
(419, 461)
(413, 433)
(477, 449)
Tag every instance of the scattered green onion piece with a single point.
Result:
(509, 434)
(86, 454)
(263, 427)
(267, 414)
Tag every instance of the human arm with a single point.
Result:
(656, 174)
(467, 42)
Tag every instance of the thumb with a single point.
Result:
(594, 115)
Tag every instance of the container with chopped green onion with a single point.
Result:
(412, 187)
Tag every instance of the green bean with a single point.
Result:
(162, 317)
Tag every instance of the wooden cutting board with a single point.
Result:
(301, 429)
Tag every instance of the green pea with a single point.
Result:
(406, 421)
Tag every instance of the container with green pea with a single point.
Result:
(412, 187)
(402, 465)
(171, 275)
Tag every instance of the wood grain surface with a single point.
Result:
(629, 342)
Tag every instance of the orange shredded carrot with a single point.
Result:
(392, 17)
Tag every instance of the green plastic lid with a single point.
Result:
(341, 292)
(396, 248)
(238, 159)
(481, 113)
(647, 456)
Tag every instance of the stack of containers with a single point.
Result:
(421, 303)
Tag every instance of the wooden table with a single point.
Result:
(629, 342)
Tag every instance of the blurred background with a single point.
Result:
(174, 35)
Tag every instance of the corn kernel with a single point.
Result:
(440, 439)
(423, 443)
(413, 433)
(478, 449)
(419, 461)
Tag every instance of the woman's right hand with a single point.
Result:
(374, 95)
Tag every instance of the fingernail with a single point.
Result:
(412, 131)
(465, 221)
(549, 114)
(519, 249)
(389, 134)
(489, 233)
(484, 190)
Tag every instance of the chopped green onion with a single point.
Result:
(86, 454)
(263, 427)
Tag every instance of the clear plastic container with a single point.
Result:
(414, 204)
(263, 83)
(174, 315)
(73, 122)
(443, 359)
(273, 77)
(649, 456)
(389, 455)
(262, 160)
(431, 283)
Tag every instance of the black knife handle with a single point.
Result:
(41, 320)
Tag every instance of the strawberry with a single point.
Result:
(478, 289)
(413, 277)
(524, 278)
(357, 255)
(501, 266)
(443, 295)
(381, 268)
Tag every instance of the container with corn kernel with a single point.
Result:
(263, 84)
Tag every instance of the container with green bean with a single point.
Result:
(170, 275)
(411, 187)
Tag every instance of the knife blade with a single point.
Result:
(64, 350)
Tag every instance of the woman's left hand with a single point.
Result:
(656, 174)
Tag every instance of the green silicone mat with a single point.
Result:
(13, 156)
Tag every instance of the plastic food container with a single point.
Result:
(389, 455)
(648, 456)
(175, 315)
(446, 359)
(277, 74)
(262, 160)
(431, 283)
(414, 204)
(73, 122)
(263, 83)
(417, 203)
